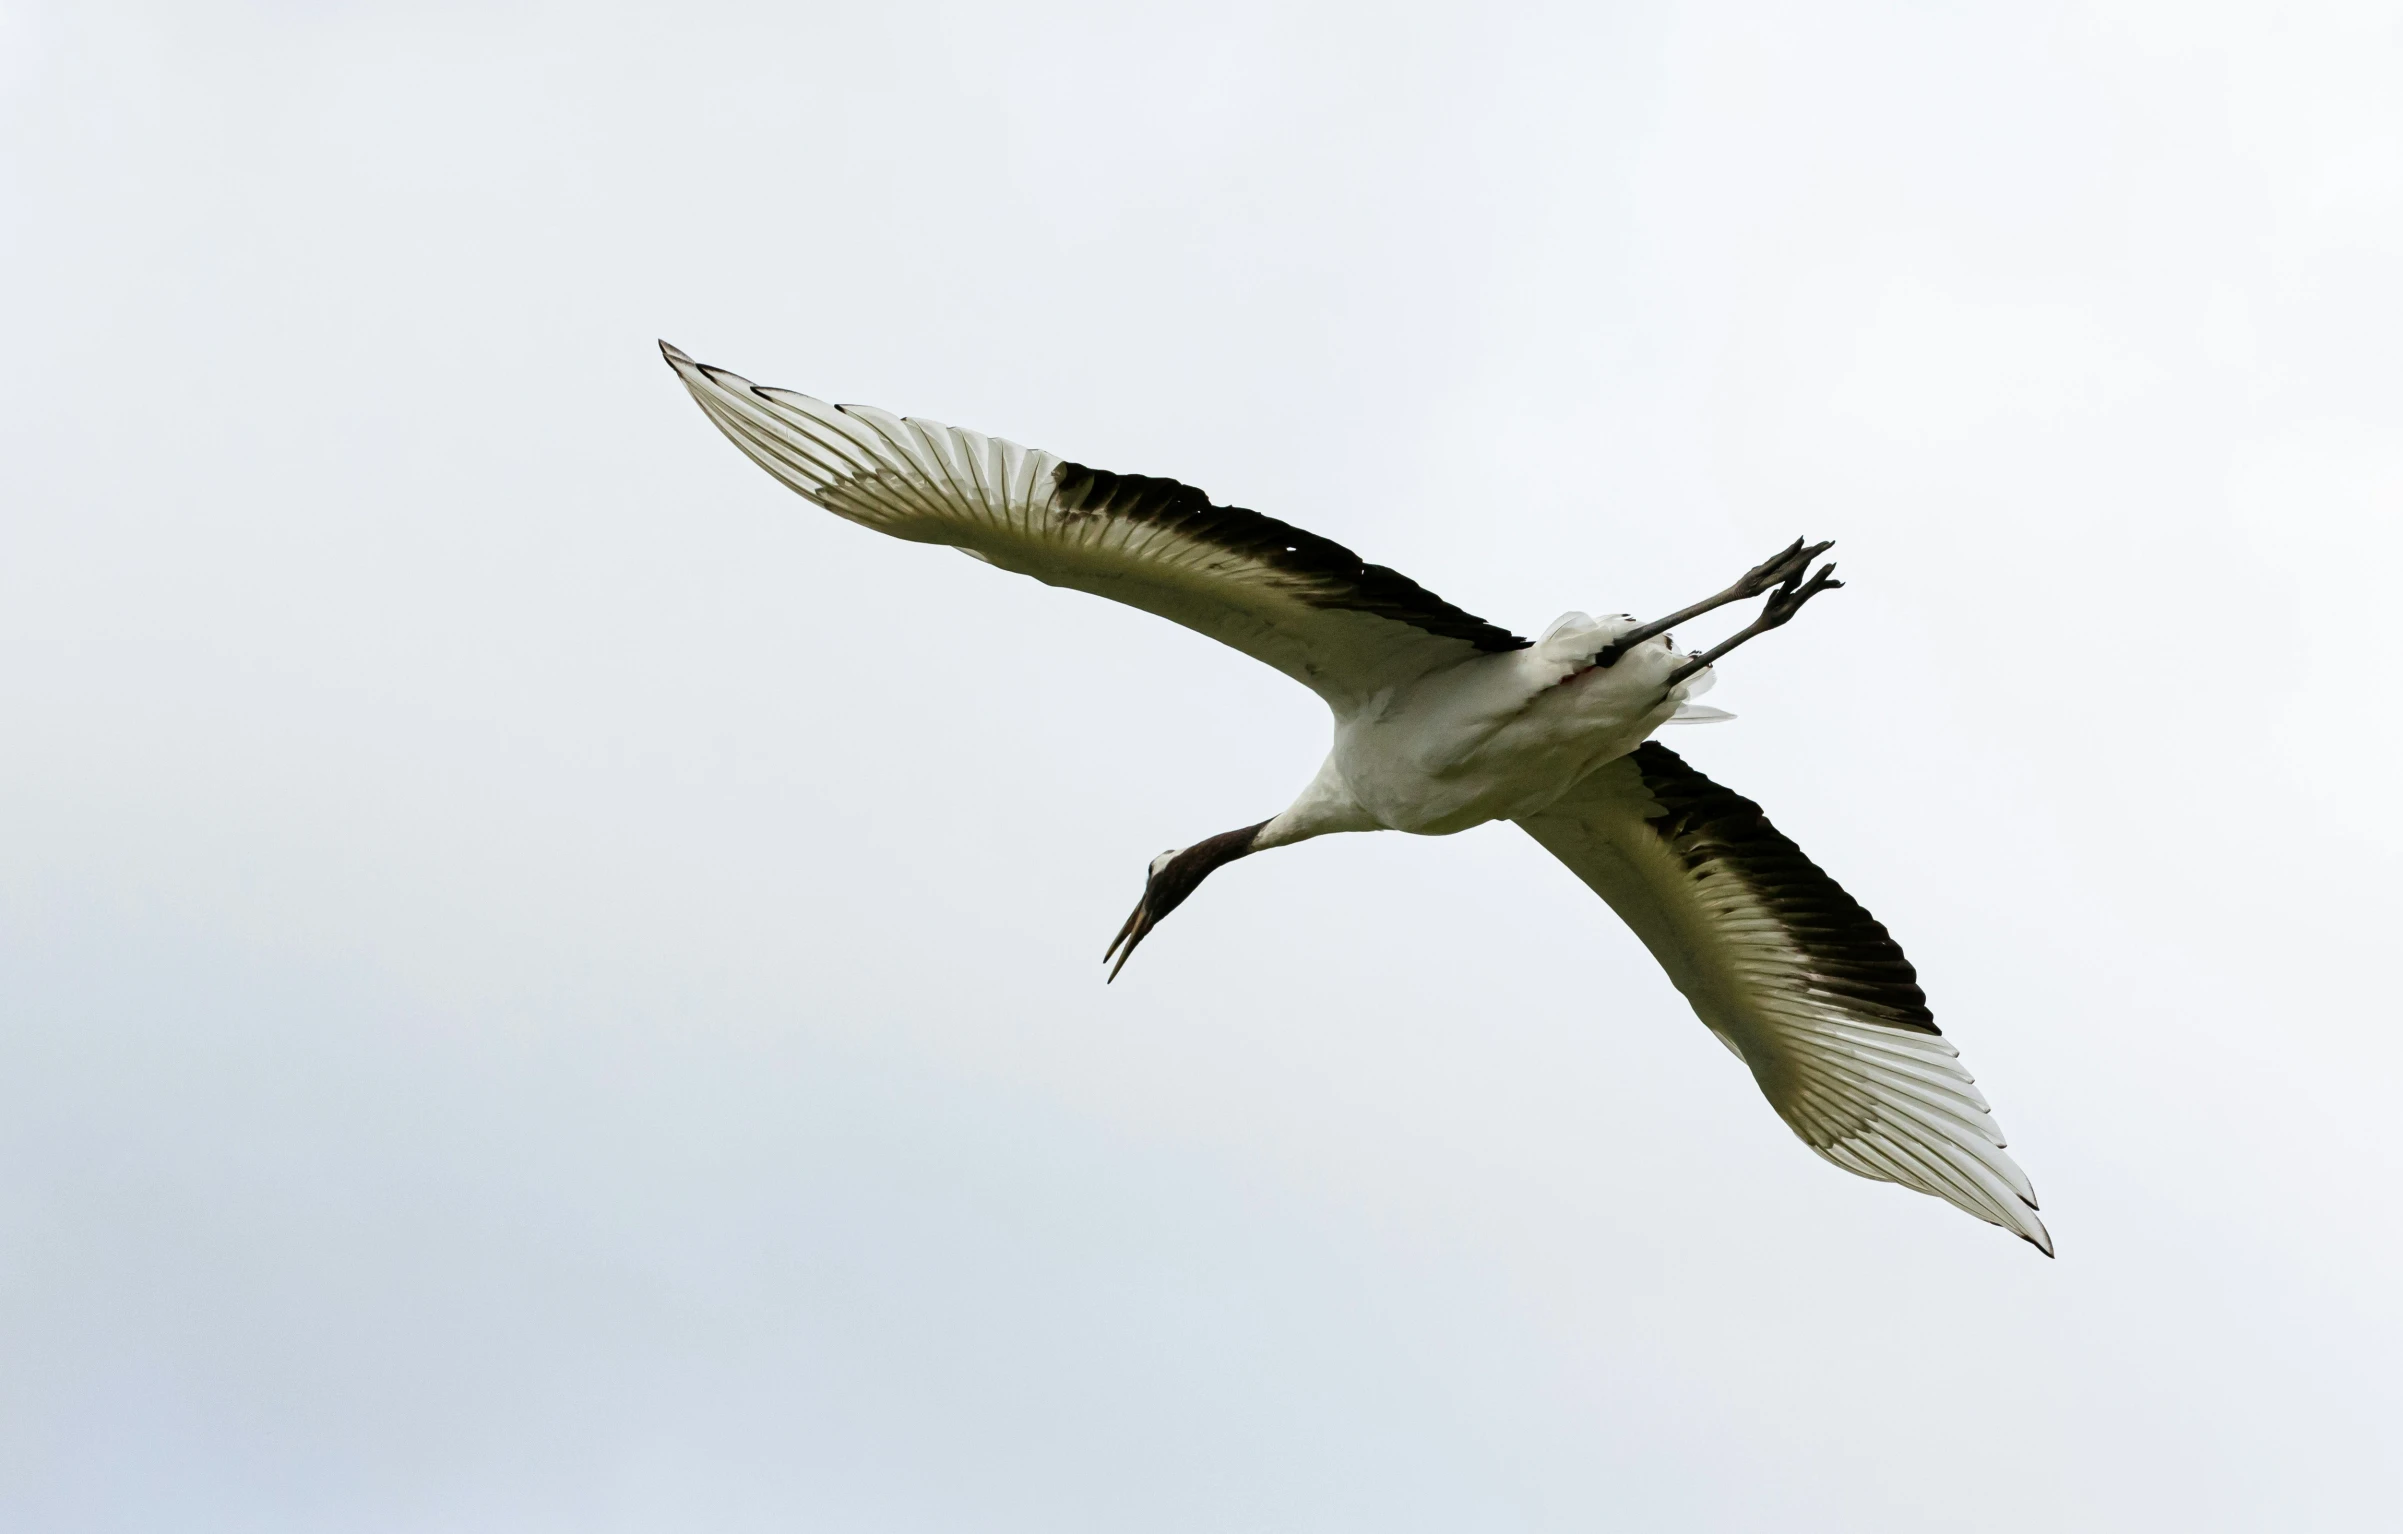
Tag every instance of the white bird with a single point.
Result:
(1444, 721)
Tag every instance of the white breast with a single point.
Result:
(1503, 735)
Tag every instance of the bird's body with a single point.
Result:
(1443, 722)
(1501, 736)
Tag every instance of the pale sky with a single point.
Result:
(547, 984)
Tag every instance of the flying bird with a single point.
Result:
(1443, 721)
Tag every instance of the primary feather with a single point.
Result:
(1804, 986)
(1304, 604)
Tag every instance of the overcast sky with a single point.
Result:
(546, 984)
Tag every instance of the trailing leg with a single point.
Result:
(1782, 568)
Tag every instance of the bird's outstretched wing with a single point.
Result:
(1304, 604)
(1793, 976)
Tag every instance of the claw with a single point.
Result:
(1791, 593)
(1783, 568)
(1779, 610)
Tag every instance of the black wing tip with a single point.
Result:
(674, 355)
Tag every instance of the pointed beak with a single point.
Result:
(1173, 876)
(1139, 923)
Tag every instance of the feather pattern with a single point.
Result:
(1804, 986)
(1302, 603)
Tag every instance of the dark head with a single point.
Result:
(1174, 875)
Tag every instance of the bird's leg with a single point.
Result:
(1782, 605)
(1173, 876)
(1780, 568)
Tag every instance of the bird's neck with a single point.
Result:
(1325, 806)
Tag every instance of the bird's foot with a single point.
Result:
(1784, 602)
(1791, 593)
(1783, 569)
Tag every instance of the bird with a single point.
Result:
(1443, 721)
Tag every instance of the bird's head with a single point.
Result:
(1173, 876)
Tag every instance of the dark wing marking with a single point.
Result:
(1339, 577)
(1304, 604)
(1793, 976)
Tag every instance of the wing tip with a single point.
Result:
(2032, 1231)
(2019, 1207)
(700, 375)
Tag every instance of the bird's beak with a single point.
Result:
(1173, 876)
(1139, 923)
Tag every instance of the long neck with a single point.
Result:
(1182, 875)
(1172, 880)
(1325, 806)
